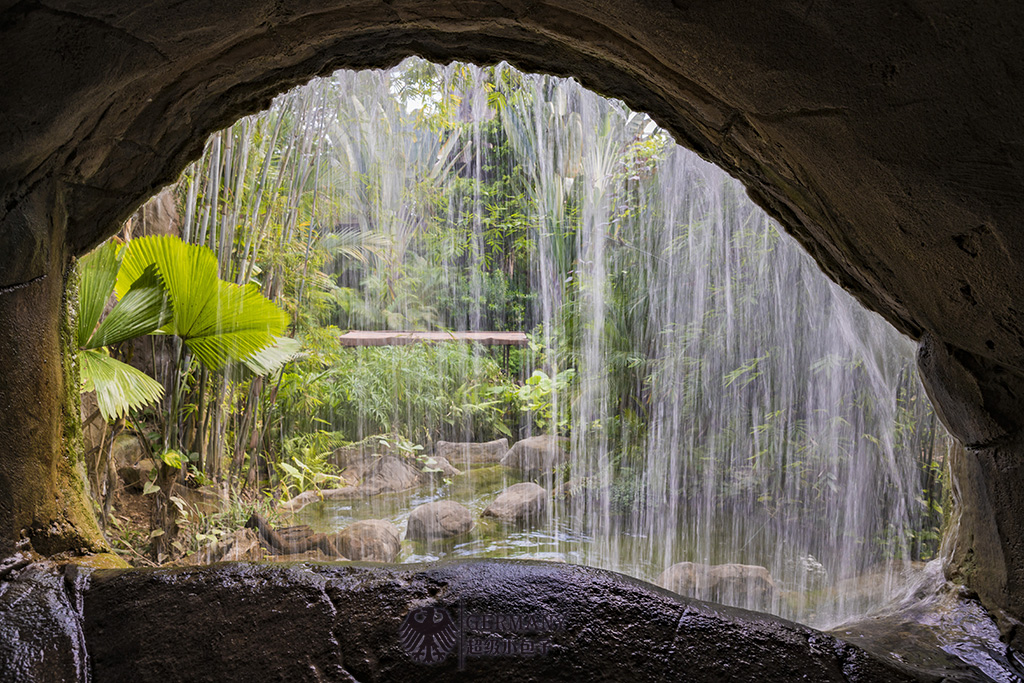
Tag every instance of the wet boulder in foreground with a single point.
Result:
(41, 635)
(522, 621)
(519, 503)
(438, 520)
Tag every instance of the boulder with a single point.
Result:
(438, 520)
(135, 476)
(519, 503)
(742, 585)
(345, 623)
(356, 460)
(390, 474)
(41, 636)
(371, 540)
(537, 455)
(242, 545)
(440, 467)
(128, 448)
(472, 453)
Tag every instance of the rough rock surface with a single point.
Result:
(537, 455)
(883, 136)
(471, 453)
(519, 503)
(371, 540)
(339, 623)
(736, 584)
(356, 460)
(41, 635)
(437, 520)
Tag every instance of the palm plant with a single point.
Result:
(165, 286)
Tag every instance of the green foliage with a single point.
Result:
(305, 477)
(218, 320)
(545, 401)
(119, 387)
(419, 391)
(166, 286)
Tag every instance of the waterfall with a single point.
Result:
(725, 403)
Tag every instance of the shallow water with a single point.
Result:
(572, 538)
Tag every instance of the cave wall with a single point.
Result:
(886, 138)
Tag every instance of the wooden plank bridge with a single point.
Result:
(402, 338)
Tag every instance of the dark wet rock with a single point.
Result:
(472, 453)
(537, 456)
(371, 540)
(519, 503)
(343, 623)
(734, 584)
(938, 632)
(437, 520)
(41, 636)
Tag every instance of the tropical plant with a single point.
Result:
(165, 286)
(140, 310)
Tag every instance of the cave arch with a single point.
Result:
(886, 139)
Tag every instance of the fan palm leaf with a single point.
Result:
(141, 310)
(218, 320)
(119, 387)
(98, 272)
